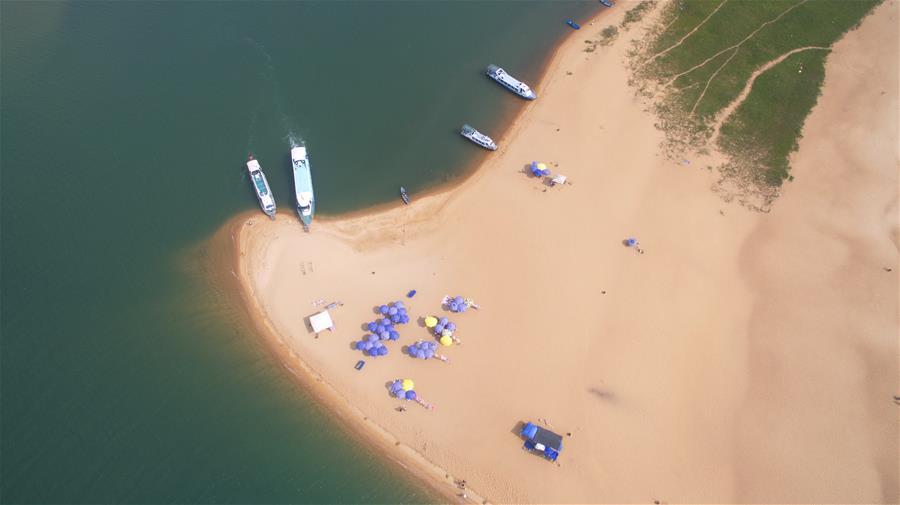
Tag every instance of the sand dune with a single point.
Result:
(743, 357)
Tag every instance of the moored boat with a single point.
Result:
(606, 3)
(404, 195)
(303, 187)
(509, 82)
(478, 137)
(261, 186)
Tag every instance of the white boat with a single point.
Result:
(478, 137)
(509, 82)
(261, 186)
(303, 186)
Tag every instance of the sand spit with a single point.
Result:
(743, 357)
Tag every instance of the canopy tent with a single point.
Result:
(321, 321)
(543, 440)
(559, 179)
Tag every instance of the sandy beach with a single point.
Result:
(744, 357)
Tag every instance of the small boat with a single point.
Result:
(261, 186)
(509, 82)
(478, 137)
(403, 195)
(607, 3)
(303, 187)
(573, 24)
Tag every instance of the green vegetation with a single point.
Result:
(697, 63)
(637, 12)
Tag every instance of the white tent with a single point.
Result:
(559, 179)
(321, 321)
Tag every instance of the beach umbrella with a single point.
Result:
(384, 335)
(400, 394)
(410, 395)
(395, 318)
(454, 307)
(392, 310)
(383, 309)
(420, 354)
(446, 341)
(631, 242)
(386, 322)
(438, 329)
(394, 335)
(446, 333)
(451, 326)
(359, 345)
(371, 338)
(458, 300)
(372, 326)
(444, 320)
(463, 307)
(407, 384)
(399, 304)
(404, 319)
(431, 321)
(382, 351)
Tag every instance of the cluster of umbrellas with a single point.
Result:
(394, 311)
(539, 169)
(425, 350)
(403, 389)
(383, 329)
(457, 304)
(442, 328)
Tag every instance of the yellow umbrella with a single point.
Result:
(446, 340)
(542, 166)
(407, 384)
(431, 321)
(446, 333)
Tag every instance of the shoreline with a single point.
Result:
(353, 421)
(703, 344)
(472, 168)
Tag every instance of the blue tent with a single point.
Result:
(543, 440)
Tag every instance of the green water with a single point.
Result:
(126, 373)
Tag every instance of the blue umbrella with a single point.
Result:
(411, 293)
(451, 326)
(444, 320)
(372, 326)
(400, 393)
(411, 394)
(392, 311)
(454, 307)
(386, 321)
(395, 318)
(385, 335)
(463, 307)
(399, 304)
(458, 300)
(371, 338)
(383, 309)
(393, 335)
(631, 242)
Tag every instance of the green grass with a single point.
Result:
(769, 122)
(780, 99)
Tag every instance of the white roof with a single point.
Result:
(252, 165)
(298, 153)
(321, 321)
(560, 179)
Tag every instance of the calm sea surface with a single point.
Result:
(128, 375)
